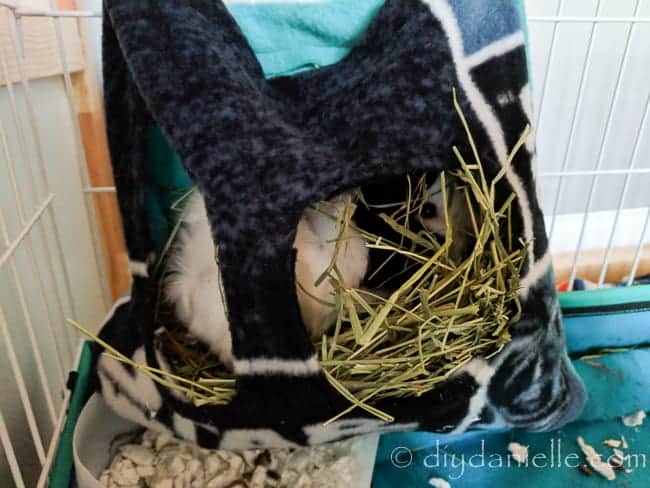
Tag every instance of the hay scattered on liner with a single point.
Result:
(201, 387)
(447, 312)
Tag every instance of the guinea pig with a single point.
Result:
(194, 285)
(432, 215)
(388, 270)
(316, 238)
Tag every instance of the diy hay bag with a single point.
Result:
(261, 151)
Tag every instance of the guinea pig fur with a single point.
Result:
(194, 283)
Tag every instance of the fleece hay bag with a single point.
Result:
(262, 150)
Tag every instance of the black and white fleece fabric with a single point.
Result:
(260, 151)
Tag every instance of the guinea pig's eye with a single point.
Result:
(428, 211)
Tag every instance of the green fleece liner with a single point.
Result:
(616, 297)
(62, 468)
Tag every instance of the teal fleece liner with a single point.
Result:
(580, 302)
(589, 333)
(481, 461)
(609, 318)
(291, 37)
(618, 384)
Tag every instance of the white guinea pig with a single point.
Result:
(194, 283)
(316, 236)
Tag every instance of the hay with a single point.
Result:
(447, 312)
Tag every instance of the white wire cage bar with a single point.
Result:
(605, 140)
(38, 228)
(38, 222)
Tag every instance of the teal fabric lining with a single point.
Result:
(166, 181)
(593, 332)
(616, 317)
(553, 459)
(291, 37)
(605, 296)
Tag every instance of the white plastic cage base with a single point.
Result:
(33, 245)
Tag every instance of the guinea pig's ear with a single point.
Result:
(431, 178)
